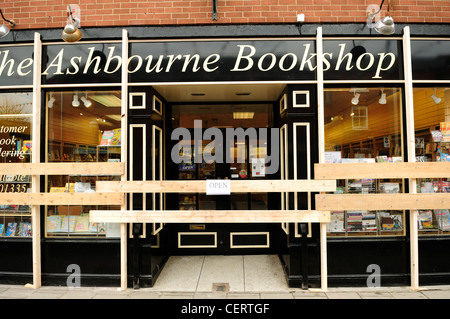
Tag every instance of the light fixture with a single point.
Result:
(75, 101)
(383, 26)
(436, 99)
(355, 99)
(3, 29)
(382, 99)
(71, 33)
(243, 115)
(86, 102)
(51, 100)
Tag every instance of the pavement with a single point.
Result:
(221, 277)
(50, 292)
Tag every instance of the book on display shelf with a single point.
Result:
(11, 230)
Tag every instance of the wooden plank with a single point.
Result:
(331, 202)
(209, 216)
(62, 199)
(85, 168)
(35, 159)
(382, 170)
(190, 186)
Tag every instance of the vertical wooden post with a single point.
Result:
(124, 157)
(409, 100)
(321, 138)
(36, 158)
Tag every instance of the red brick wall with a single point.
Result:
(34, 14)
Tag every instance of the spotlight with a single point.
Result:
(71, 33)
(51, 101)
(86, 102)
(382, 99)
(4, 30)
(75, 101)
(355, 99)
(436, 99)
(384, 26)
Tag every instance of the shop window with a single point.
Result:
(432, 143)
(364, 125)
(82, 126)
(15, 147)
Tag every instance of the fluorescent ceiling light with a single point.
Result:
(107, 100)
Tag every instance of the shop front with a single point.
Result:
(223, 109)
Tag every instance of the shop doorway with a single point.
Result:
(222, 141)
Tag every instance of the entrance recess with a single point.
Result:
(230, 142)
(156, 113)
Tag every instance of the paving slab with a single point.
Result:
(232, 295)
(181, 273)
(309, 295)
(228, 271)
(376, 295)
(277, 295)
(143, 295)
(436, 294)
(408, 295)
(264, 273)
(342, 295)
(77, 293)
(17, 293)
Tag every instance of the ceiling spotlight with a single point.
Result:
(3, 29)
(383, 26)
(355, 99)
(382, 99)
(71, 33)
(436, 99)
(51, 100)
(86, 102)
(75, 101)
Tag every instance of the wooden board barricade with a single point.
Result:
(412, 201)
(36, 199)
(213, 216)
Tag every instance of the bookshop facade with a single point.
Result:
(172, 99)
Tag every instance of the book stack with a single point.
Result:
(369, 222)
(354, 221)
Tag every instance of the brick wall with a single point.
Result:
(52, 13)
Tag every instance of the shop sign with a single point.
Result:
(430, 59)
(218, 187)
(16, 65)
(194, 61)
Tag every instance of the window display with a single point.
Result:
(15, 147)
(81, 127)
(364, 125)
(432, 140)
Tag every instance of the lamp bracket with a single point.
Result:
(214, 10)
(12, 23)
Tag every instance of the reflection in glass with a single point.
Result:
(432, 142)
(366, 130)
(82, 126)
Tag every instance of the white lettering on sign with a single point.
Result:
(218, 187)
(11, 146)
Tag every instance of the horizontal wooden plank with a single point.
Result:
(75, 168)
(62, 199)
(382, 170)
(237, 186)
(333, 202)
(209, 216)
